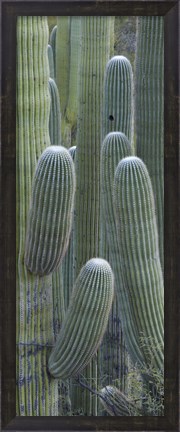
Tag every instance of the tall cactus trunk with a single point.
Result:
(149, 109)
(95, 54)
(37, 392)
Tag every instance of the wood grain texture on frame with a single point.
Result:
(10, 10)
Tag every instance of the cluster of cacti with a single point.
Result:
(90, 284)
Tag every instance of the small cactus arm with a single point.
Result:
(118, 96)
(116, 403)
(51, 211)
(52, 41)
(55, 114)
(51, 61)
(149, 109)
(85, 321)
(141, 294)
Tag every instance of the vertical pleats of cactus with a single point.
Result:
(62, 59)
(115, 147)
(117, 404)
(37, 393)
(85, 321)
(50, 216)
(55, 114)
(141, 295)
(118, 96)
(149, 109)
(52, 41)
(68, 261)
(74, 67)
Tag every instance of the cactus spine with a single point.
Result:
(55, 114)
(35, 397)
(141, 295)
(149, 110)
(85, 321)
(116, 403)
(118, 96)
(51, 210)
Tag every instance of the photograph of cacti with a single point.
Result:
(89, 215)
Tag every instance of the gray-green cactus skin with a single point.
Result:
(117, 404)
(51, 61)
(74, 67)
(85, 321)
(141, 295)
(62, 60)
(52, 41)
(55, 114)
(94, 54)
(37, 393)
(149, 109)
(68, 261)
(114, 148)
(118, 96)
(50, 216)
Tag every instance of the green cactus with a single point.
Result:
(85, 321)
(52, 41)
(115, 147)
(116, 403)
(50, 215)
(141, 294)
(51, 61)
(55, 114)
(62, 60)
(149, 109)
(37, 393)
(74, 66)
(68, 264)
(118, 96)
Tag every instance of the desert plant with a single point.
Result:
(85, 321)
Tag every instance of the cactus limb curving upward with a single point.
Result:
(85, 321)
(52, 41)
(141, 295)
(55, 114)
(50, 216)
(51, 61)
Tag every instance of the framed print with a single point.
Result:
(89, 215)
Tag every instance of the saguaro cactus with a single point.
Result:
(37, 393)
(55, 114)
(85, 321)
(141, 294)
(116, 403)
(51, 211)
(52, 41)
(51, 61)
(115, 147)
(149, 109)
(118, 96)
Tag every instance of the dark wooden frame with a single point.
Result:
(10, 10)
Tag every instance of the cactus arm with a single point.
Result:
(50, 216)
(52, 41)
(143, 296)
(51, 61)
(85, 321)
(55, 114)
